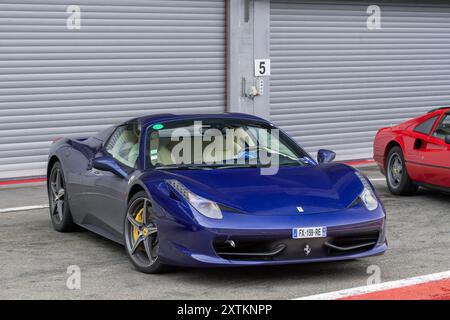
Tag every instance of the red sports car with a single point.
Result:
(416, 153)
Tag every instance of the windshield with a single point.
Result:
(220, 144)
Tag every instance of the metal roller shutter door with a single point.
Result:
(334, 82)
(129, 58)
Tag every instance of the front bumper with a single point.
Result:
(267, 240)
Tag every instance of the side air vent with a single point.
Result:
(248, 250)
(418, 144)
(352, 244)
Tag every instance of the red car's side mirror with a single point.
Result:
(447, 139)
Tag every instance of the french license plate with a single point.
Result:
(308, 233)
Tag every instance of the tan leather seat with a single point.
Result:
(164, 155)
(211, 152)
(126, 148)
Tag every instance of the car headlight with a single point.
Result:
(204, 206)
(367, 196)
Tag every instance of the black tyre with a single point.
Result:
(398, 180)
(141, 235)
(58, 200)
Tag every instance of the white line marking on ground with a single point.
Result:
(377, 179)
(27, 208)
(378, 287)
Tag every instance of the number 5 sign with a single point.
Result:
(262, 67)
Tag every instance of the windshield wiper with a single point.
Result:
(207, 166)
(181, 167)
(239, 166)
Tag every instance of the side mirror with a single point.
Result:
(325, 156)
(108, 164)
(447, 139)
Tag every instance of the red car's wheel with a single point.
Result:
(398, 180)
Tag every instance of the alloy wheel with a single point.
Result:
(395, 170)
(57, 194)
(141, 233)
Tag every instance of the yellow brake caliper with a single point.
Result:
(139, 219)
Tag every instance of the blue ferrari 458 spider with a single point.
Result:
(212, 190)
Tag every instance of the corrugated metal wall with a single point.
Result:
(335, 82)
(129, 58)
